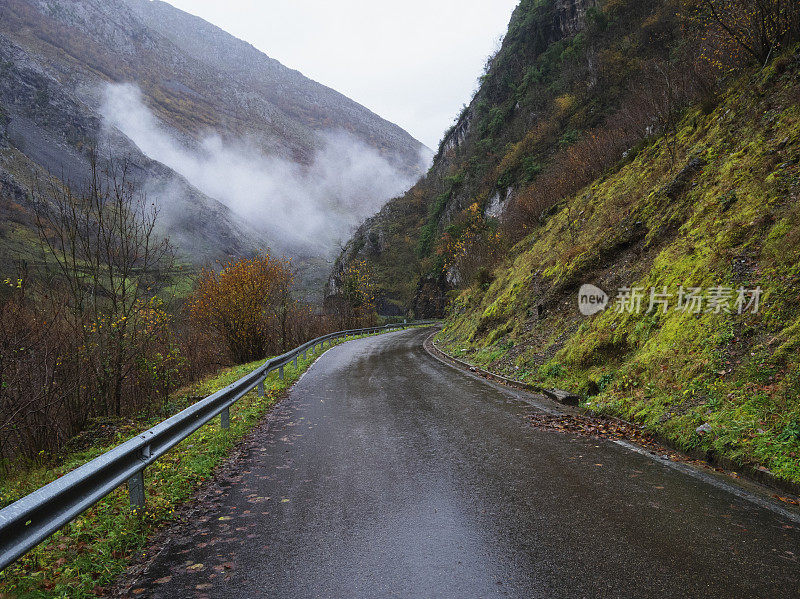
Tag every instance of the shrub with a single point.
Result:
(247, 304)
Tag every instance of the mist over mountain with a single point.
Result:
(240, 152)
(301, 208)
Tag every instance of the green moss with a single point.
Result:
(734, 222)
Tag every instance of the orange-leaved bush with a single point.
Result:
(247, 304)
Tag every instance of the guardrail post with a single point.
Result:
(225, 418)
(136, 491)
(261, 388)
(305, 354)
(280, 373)
(295, 362)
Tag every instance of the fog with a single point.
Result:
(307, 208)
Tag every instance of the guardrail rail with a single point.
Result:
(29, 521)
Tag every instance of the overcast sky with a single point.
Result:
(414, 62)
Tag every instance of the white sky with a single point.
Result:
(414, 62)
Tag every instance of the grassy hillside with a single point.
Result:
(718, 207)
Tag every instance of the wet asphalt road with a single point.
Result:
(388, 474)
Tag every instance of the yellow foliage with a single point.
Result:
(245, 303)
(565, 104)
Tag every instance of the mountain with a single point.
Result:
(641, 148)
(80, 74)
(398, 243)
(293, 105)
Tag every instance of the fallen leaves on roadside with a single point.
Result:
(589, 427)
(788, 500)
(606, 428)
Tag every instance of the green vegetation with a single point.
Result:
(428, 232)
(436, 210)
(725, 215)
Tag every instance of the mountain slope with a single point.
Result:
(400, 243)
(726, 219)
(194, 74)
(58, 58)
(299, 99)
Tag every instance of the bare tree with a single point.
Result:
(759, 27)
(108, 256)
(657, 100)
(36, 402)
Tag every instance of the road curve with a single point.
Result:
(386, 473)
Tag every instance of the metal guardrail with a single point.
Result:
(29, 521)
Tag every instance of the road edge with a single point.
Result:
(754, 475)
